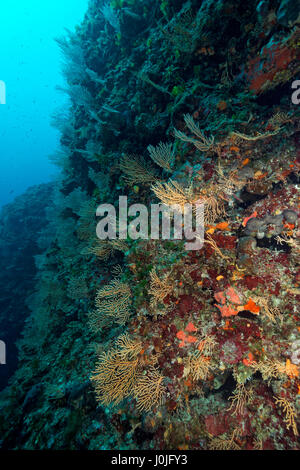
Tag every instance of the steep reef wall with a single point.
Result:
(137, 344)
(20, 223)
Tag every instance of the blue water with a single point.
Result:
(30, 66)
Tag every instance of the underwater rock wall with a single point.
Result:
(139, 344)
(20, 222)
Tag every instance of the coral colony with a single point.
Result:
(136, 342)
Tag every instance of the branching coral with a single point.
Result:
(228, 184)
(127, 347)
(211, 242)
(119, 374)
(173, 193)
(103, 249)
(290, 240)
(199, 366)
(279, 119)
(114, 300)
(271, 312)
(223, 443)
(114, 377)
(274, 369)
(162, 155)
(254, 138)
(290, 413)
(240, 399)
(149, 390)
(137, 170)
(202, 143)
(207, 345)
(160, 288)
